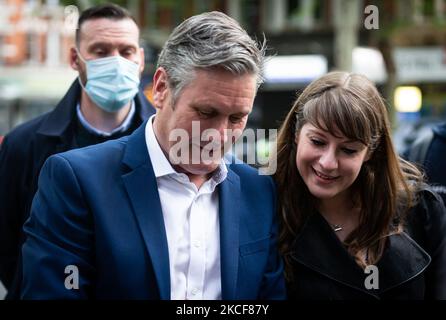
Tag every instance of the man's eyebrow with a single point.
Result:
(128, 46)
(203, 106)
(241, 114)
(210, 108)
(99, 45)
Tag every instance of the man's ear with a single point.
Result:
(160, 88)
(74, 59)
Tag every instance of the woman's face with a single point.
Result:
(328, 165)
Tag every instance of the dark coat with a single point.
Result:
(413, 265)
(435, 159)
(22, 154)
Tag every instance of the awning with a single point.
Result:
(286, 72)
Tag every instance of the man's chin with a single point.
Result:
(198, 169)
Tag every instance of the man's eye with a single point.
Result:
(317, 142)
(205, 114)
(236, 119)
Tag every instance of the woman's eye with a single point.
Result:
(317, 142)
(349, 151)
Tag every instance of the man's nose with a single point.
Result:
(114, 52)
(222, 127)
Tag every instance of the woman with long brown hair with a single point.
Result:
(356, 220)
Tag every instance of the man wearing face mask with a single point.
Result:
(103, 103)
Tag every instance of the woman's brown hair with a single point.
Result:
(385, 189)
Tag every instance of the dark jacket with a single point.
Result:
(22, 154)
(435, 158)
(428, 151)
(413, 265)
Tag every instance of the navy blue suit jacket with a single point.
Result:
(98, 208)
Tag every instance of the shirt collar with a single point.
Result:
(162, 166)
(123, 127)
(220, 173)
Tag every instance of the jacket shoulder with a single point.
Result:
(440, 130)
(248, 173)
(428, 196)
(428, 204)
(17, 143)
(25, 131)
(427, 220)
(95, 156)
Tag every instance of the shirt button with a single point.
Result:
(194, 291)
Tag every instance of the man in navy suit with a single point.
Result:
(142, 217)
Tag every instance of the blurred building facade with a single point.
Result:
(35, 38)
(34, 32)
(407, 47)
(305, 37)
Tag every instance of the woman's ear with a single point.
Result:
(368, 155)
(296, 136)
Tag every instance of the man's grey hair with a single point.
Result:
(209, 40)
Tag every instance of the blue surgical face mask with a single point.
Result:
(111, 82)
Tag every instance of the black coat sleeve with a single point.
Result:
(10, 202)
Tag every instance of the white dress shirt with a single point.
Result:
(191, 219)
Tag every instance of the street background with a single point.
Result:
(399, 44)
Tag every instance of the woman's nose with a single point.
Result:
(328, 160)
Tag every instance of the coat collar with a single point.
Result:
(147, 209)
(318, 248)
(62, 116)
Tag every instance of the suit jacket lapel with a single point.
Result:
(229, 203)
(142, 189)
